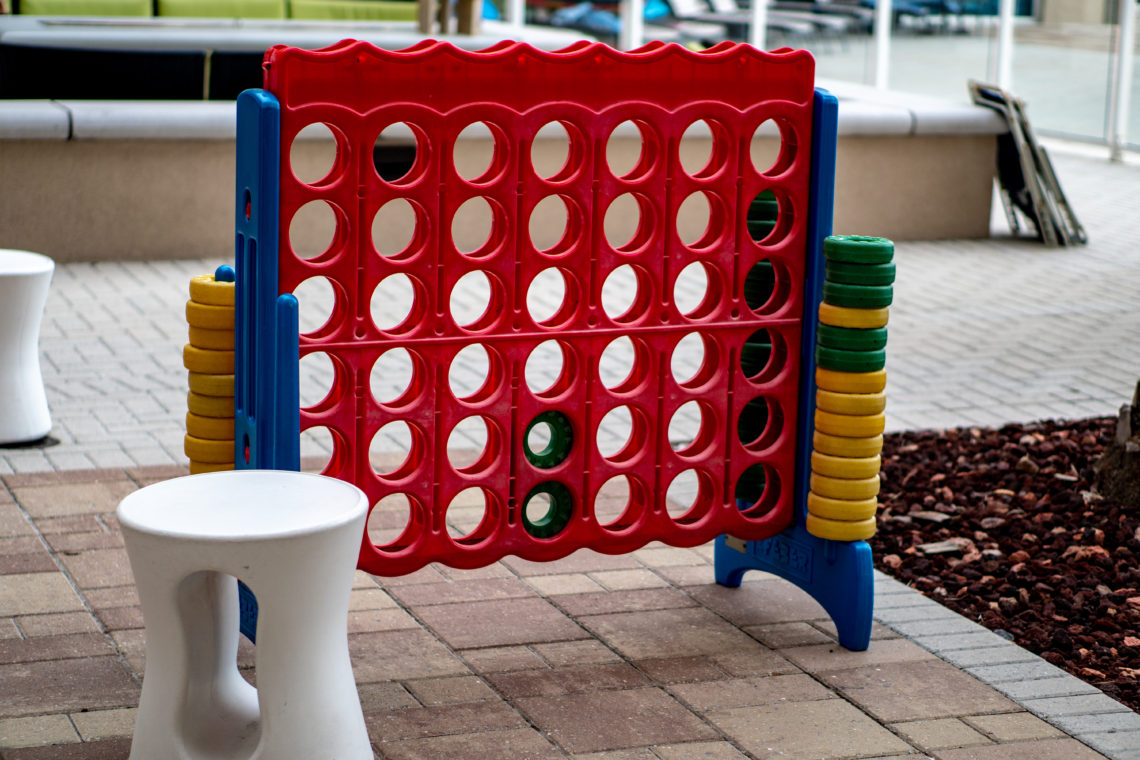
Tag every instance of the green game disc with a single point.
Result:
(838, 360)
(547, 509)
(860, 274)
(858, 249)
(554, 435)
(857, 296)
(850, 339)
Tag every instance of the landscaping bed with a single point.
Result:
(1005, 527)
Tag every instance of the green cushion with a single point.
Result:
(222, 8)
(354, 10)
(85, 7)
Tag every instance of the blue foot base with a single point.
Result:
(837, 574)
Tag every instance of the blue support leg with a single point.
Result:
(837, 574)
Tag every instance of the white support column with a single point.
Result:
(1120, 102)
(882, 43)
(758, 28)
(515, 12)
(1005, 45)
(632, 24)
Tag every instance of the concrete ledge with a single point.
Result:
(98, 180)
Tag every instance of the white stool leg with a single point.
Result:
(194, 703)
(25, 279)
(309, 704)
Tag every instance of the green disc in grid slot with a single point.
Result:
(857, 296)
(858, 249)
(838, 360)
(852, 339)
(860, 274)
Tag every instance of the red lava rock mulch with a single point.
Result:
(1004, 527)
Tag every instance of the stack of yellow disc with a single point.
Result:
(209, 356)
(850, 381)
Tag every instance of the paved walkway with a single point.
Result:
(624, 658)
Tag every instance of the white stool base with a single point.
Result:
(293, 538)
(24, 282)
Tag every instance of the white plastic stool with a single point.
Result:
(293, 538)
(24, 281)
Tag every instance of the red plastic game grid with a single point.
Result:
(357, 91)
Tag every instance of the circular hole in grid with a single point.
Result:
(392, 450)
(764, 215)
(316, 302)
(313, 154)
(617, 502)
(474, 373)
(625, 364)
(471, 444)
(698, 290)
(478, 152)
(762, 356)
(397, 377)
(472, 225)
(312, 229)
(395, 301)
(396, 154)
(550, 151)
(469, 516)
(548, 299)
(622, 434)
(692, 429)
(389, 520)
(760, 285)
(548, 371)
(547, 509)
(316, 373)
(703, 148)
(630, 150)
(770, 150)
(757, 491)
(628, 223)
(318, 448)
(759, 424)
(395, 228)
(471, 299)
(695, 216)
(693, 361)
(689, 496)
(626, 294)
(549, 223)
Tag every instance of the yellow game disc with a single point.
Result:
(204, 289)
(840, 530)
(209, 452)
(215, 340)
(210, 428)
(845, 316)
(849, 425)
(844, 510)
(847, 403)
(200, 467)
(210, 406)
(844, 488)
(207, 362)
(212, 385)
(851, 382)
(209, 317)
(845, 467)
(838, 446)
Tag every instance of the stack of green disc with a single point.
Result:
(859, 274)
(762, 215)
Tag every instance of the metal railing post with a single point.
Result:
(1120, 94)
